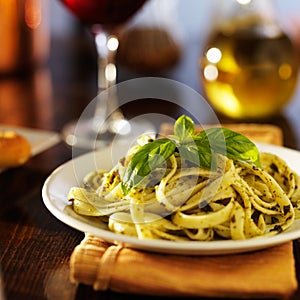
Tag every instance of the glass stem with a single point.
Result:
(107, 111)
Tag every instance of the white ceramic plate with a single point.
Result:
(70, 174)
(40, 140)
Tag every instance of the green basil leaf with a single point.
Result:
(232, 144)
(145, 160)
(184, 128)
(197, 152)
(199, 149)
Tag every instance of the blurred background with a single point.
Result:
(193, 19)
(66, 71)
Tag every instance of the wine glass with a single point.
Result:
(104, 18)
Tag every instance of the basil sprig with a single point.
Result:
(146, 159)
(198, 149)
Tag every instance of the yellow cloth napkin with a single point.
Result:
(268, 273)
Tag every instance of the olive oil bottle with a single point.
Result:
(249, 68)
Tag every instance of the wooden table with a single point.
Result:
(34, 246)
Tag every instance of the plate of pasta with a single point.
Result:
(56, 194)
(208, 192)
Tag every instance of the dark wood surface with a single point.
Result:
(34, 246)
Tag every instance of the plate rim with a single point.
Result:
(164, 246)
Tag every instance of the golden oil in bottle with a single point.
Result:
(249, 70)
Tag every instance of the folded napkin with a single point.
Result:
(265, 274)
(263, 133)
(268, 273)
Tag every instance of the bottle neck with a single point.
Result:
(241, 14)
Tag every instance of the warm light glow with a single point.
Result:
(8, 134)
(121, 127)
(214, 55)
(33, 13)
(244, 2)
(10, 39)
(71, 140)
(110, 72)
(112, 43)
(285, 71)
(231, 104)
(210, 72)
(100, 40)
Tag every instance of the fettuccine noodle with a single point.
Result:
(182, 202)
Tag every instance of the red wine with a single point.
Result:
(104, 12)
